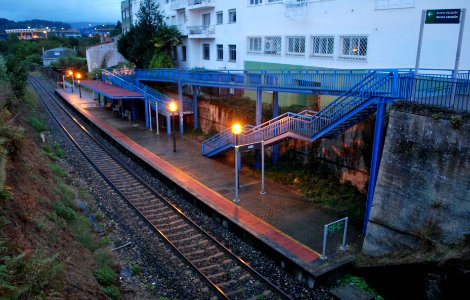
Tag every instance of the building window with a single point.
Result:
(183, 53)
(206, 52)
(272, 45)
(274, 1)
(256, 2)
(295, 45)
(392, 4)
(254, 45)
(174, 53)
(206, 20)
(220, 52)
(323, 46)
(232, 53)
(220, 17)
(353, 47)
(232, 16)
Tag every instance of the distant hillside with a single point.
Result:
(80, 25)
(8, 24)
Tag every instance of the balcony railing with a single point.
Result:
(201, 31)
(199, 4)
(178, 4)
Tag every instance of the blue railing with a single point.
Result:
(127, 80)
(307, 124)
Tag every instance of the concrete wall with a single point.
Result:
(423, 188)
(106, 54)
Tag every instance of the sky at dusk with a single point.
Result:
(67, 11)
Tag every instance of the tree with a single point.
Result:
(137, 45)
(164, 40)
(117, 29)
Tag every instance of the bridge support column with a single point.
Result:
(377, 147)
(275, 104)
(195, 106)
(259, 110)
(168, 123)
(146, 106)
(133, 111)
(180, 97)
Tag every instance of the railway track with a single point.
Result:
(228, 276)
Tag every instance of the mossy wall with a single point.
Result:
(423, 188)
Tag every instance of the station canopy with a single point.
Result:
(110, 91)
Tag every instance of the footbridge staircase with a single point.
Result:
(347, 110)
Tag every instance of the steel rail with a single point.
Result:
(160, 197)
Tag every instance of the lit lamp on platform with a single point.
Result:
(79, 76)
(236, 130)
(173, 107)
(71, 75)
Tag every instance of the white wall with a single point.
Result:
(104, 53)
(392, 33)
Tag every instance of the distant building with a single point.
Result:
(29, 33)
(55, 54)
(66, 33)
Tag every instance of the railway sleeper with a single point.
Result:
(184, 242)
(199, 251)
(208, 258)
(175, 227)
(203, 252)
(180, 233)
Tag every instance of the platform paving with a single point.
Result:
(282, 218)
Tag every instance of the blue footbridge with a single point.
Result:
(360, 93)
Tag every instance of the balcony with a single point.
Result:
(182, 29)
(178, 4)
(200, 4)
(201, 32)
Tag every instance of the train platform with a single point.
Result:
(280, 219)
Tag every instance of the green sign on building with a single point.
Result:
(442, 16)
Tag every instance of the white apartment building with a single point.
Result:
(346, 34)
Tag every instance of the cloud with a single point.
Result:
(67, 11)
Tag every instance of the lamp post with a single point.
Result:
(71, 75)
(236, 130)
(79, 76)
(173, 107)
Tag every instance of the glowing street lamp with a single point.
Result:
(79, 76)
(173, 107)
(236, 130)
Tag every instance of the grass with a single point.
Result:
(322, 188)
(54, 152)
(28, 277)
(57, 170)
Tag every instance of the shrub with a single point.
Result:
(24, 277)
(58, 151)
(37, 124)
(13, 138)
(105, 275)
(103, 257)
(57, 170)
(136, 270)
(66, 194)
(111, 291)
(456, 121)
(65, 212)
(360, 283)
